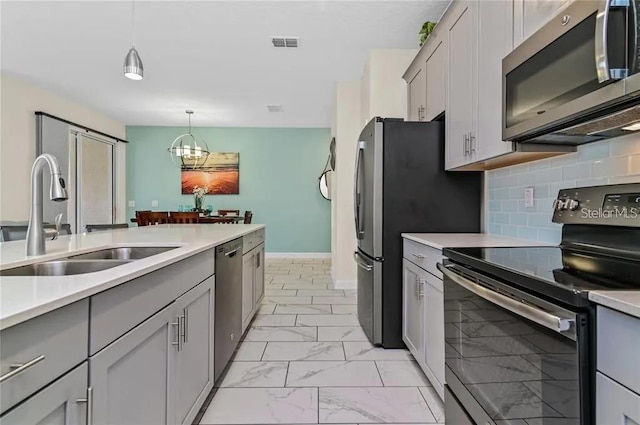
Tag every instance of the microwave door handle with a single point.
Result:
(532, 313)
(602, 55)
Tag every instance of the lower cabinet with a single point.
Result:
(62, 403)
(412, 310)
(423, 318)
(252, 283)
(194, 363)
(165, 361)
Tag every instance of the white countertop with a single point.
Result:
(25, 297)
(624, 301)
(467, 240)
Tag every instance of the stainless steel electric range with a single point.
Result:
(520, 329)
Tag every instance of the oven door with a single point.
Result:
(570, 67)
(513, 358)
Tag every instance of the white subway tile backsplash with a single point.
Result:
(609, 162)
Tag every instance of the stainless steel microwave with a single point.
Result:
(577, 79)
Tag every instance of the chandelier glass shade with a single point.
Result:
(187, 151)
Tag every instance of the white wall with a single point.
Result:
(18, 102)
(346, 130)
(384, 92)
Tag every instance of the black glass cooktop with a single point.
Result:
(560, 273)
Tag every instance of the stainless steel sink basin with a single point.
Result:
(123, 253)
(63, 267)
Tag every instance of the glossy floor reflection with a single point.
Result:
(305, 360)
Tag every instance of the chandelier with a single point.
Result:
(186, 151)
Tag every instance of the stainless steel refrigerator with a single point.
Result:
(401, 186)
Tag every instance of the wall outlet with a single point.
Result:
(154, 203)
(132, 204)
(528, 197)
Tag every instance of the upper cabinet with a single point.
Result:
(530, 15)
(461, 65)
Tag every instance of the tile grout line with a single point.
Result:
(375, 362)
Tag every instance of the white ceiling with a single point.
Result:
(211, 56)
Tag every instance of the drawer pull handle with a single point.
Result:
(418, 256)
(89, 401)
(19, 368)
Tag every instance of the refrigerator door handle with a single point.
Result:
(357, 195)
(362, 264)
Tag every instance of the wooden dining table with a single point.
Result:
(210, 219)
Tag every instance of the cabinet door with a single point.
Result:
(531, 15)
(495, 38)
(248, 303)
(258, 278)
(194, 363)
(412, 310)
(417, 96)
(436, 68)
(434, 330)
(460, 88)
(131, 377)
(57, 404)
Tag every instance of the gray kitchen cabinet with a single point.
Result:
(38, 351)
(194, 362)
(416, 94)
(248, 292)
(61, 403)
(413, 310)
(132, 377)
(530, 15)
(461, 96)
(434, 331)
(436, 80)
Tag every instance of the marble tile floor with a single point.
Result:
(305, 360)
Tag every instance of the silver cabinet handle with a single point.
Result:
(415, 286)
(179, 325)
(20, 367)
(421, 287)
(472, 142)
(537, 315)
(466, 144)
(361, 263)
(418, 255)
(185, 334)
(89, 401)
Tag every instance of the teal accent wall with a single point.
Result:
(279, 169)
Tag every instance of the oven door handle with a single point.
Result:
(541, 317)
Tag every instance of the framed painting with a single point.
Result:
(220, 174)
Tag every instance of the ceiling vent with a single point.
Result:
(275, 108)
(285, 41)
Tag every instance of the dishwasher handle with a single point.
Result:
(231, 253)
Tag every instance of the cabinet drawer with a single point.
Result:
(615, 404)
(248, 242)
(120, 309)
(259, 237)
(423, 256)
(618, 347)
(58, 338)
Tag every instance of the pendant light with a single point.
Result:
(186, 151)
(133, 68)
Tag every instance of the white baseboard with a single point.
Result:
(297, 255)
(345, 284)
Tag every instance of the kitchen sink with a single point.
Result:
(123, 253)
(63, 267)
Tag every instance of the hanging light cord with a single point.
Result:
(133, 26)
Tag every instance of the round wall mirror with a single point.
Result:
(323, 185)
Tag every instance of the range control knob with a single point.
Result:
(573, 204)
(560, 204)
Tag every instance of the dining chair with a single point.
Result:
(223, 220)
(146, 218)
(101, 227)
(228, 212)
(184, 217)
(248, 215)
(19, 232)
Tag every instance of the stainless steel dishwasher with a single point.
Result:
(228, 300)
